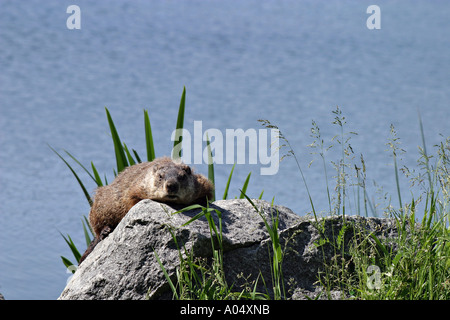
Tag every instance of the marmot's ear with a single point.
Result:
(205, 187)
(187, 169)
(155, 167)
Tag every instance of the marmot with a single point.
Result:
(162, 180)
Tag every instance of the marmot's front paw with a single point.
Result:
(105, 232)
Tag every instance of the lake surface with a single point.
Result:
(290, 62)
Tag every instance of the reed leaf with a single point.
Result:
(67, 263)
(138, 159)
(179, 127)
(227, 187)
(129, 156)
(148, 138)
(86, 229)
(86, 193)
(79, 163)
(98, 180)
(121, 159)
(72, 247)
(210, 166)
(166, 275)
(244, 187)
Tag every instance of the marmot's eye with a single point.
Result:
(160, 176)
(182, 176)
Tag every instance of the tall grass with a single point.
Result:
(279, 291)
(290, 153)
(419, 266)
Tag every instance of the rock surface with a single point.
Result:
(124, 265)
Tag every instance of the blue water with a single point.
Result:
(286, 61)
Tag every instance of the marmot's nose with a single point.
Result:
(172, 186)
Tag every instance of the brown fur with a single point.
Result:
(162, 180)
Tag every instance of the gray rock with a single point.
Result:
(124, 265)
(305, 252)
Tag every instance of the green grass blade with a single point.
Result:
(86, 232)
(424, 147)
(86, 193)
(204, 212)
(268, 227)
(129, 156)
(261, 195)
(149, 138)
(381, 246)
(225, 194)
(196, 217)
(210, 166)
(397, 181)
(67, 263)
(277, 258)
(86, 220)
(244, 187)
(72, 247)
(121, 159)
(98, 180)
(166, 275)
(180, 124)
(79, 163)
(191, 207)
(138, 159)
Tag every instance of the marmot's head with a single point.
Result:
(175, 182)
